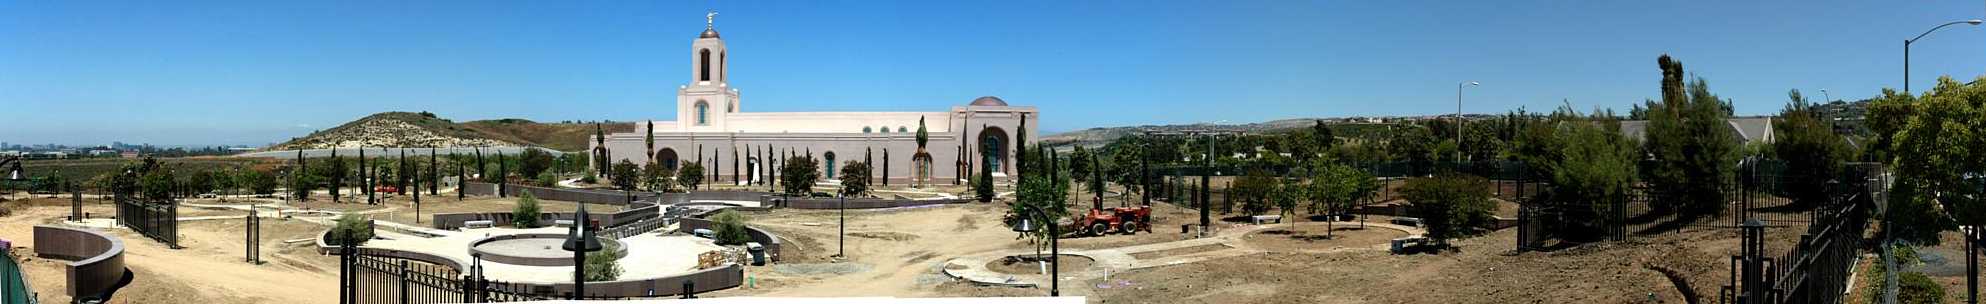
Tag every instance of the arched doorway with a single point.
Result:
(993, 148)
(920, 168)
(666, 157)
(829, 156)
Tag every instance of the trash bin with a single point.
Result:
(757, 251)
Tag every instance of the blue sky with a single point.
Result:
(256, 72)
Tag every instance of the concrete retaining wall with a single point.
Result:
(97, 265)
(707, 280)
(556, 194)
(764, 238)
(862, 203)
(452, 221)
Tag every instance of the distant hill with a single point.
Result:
(1099, 136)
(408, 129)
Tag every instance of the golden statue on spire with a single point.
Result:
(710, 19)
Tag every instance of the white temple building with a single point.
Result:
(713, 128)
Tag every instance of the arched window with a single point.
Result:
(702, 113)
(830, 164)
(722, 73)
(901, 129)
(865, 129)
(704, 68)
(886, 129)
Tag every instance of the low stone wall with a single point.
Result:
(453, 221)
(475, 248)
(707, 280)
(97, 265)
(680, 198)
(556, 194)
(861, 203)
(764, 238)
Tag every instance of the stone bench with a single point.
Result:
(479, 224)
(1259, 219)
(562, 223)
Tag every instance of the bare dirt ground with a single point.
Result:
(208, 270)
(899, 252)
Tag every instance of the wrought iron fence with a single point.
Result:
(158, 220)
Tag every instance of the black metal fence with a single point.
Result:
(158, 220)
(382, 280)
(371, 279)
(1815, 270)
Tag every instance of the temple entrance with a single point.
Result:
(993, 149)
(666, 157)
(920, 169)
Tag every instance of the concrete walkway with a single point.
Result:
(973, 267)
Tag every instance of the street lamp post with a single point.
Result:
(1027, 225)
(1906, 49)
(580, 241)
(1458, 116)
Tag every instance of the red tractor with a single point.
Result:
(1126, 220)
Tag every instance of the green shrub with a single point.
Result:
(730, 228)
(1451, 205)
(525, 214)
(604, 265)
(351, 227)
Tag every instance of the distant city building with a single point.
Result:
(712, 127)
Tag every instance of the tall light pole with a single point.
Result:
(1825, 97)
(1458, 116)
(1906, 49)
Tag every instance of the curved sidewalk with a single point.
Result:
(973, 267)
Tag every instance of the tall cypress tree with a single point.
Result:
(434, 173)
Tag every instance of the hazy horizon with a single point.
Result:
(255, 73)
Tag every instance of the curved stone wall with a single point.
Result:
(707, 280)
(97, 259)
(475, 248)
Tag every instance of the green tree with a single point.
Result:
(259, 182)
(730, 228)
(854, 178)
(200, 182)
(657, 178)
(525, 214)
(690, 176)
(533, 161)
(626, 175)
(1588, 162)
(1125, 154)
(1450, 205)
(1253, 189)
(350, 227)
(1285, 197)
(797, 175)
(1080, 164)
(1335, 187)
(1813, 153)
(1691, 143)
(983, 185)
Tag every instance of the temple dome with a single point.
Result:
(708, 33)
(989, 101)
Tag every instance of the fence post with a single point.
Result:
(403, 282)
